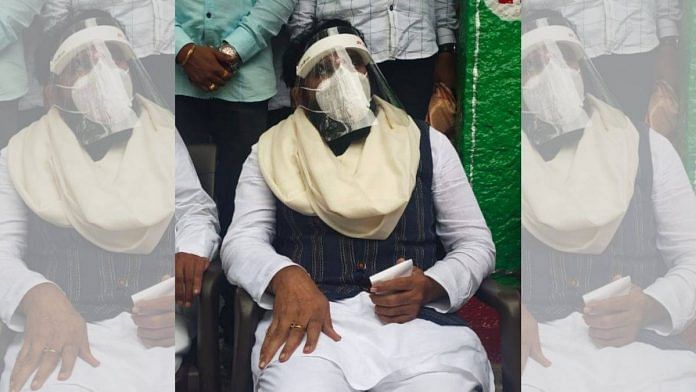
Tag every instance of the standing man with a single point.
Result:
(224, 78)
(405, 39)
(15, 16)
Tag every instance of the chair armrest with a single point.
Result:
(246, 318)
(506, 302)
(208, 346)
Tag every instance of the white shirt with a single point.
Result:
(675, 211)
(148, 23)
(250, 260)
(618, 26)
(393, 29)
(196, 231)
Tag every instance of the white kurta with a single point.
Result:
(371, 352)
(577, 365)
(124, 360)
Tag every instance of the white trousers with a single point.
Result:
(125, 364)
(372, 356)
(578, 365)
(313, 374)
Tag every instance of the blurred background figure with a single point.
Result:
(99, 201)
(609, 231)
(634, 45)
(412, 42)
(224, 80)
(15, 17)
(148, 25)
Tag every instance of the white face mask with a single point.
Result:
(105, 96)
(556, 96)
(345, 96)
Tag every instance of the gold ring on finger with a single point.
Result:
(49, 350)
(296, 326)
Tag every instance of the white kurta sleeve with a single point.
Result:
(675, 211)
(461, 228)
(16, 279)
(196, 215)
(247, 253)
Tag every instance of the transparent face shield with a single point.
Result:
(557, 79)
(98, 84)
(337, 84)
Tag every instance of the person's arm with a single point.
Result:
(668, 17)
(256, 29)
(197, 224)
(247, 253)
(16, 279)
(15, 16)
(461, 228)
(446, 22)
(197, 228)
(302, 16)
(675, 211)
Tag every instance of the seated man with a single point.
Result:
(98, 198)
(348, 186)
(604, 199)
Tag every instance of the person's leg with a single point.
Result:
(412, 81)
(630, 79)
(193, 119)
(430, 381)
(9, 124)
(304, 374)
(235, 127)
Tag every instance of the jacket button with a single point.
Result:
(209, 15)
(574, 283)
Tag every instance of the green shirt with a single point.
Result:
(247, 25)
(15, 16)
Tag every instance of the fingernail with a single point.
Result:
(283, 357)
(262, 364)
(62, 376)
(34, 385)
(307, 350)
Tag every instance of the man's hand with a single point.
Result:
(299, 309)
(54, 333)
(206, 68)
(531, 345)
(446, 70)
(155, 321)
(400, 300)
(189, 270)
(615, 322)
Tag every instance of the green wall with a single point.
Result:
(489, 139)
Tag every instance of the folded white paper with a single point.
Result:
(165, 287)
(616, 288)
(400, 270)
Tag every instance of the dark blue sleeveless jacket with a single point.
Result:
(341, 265)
